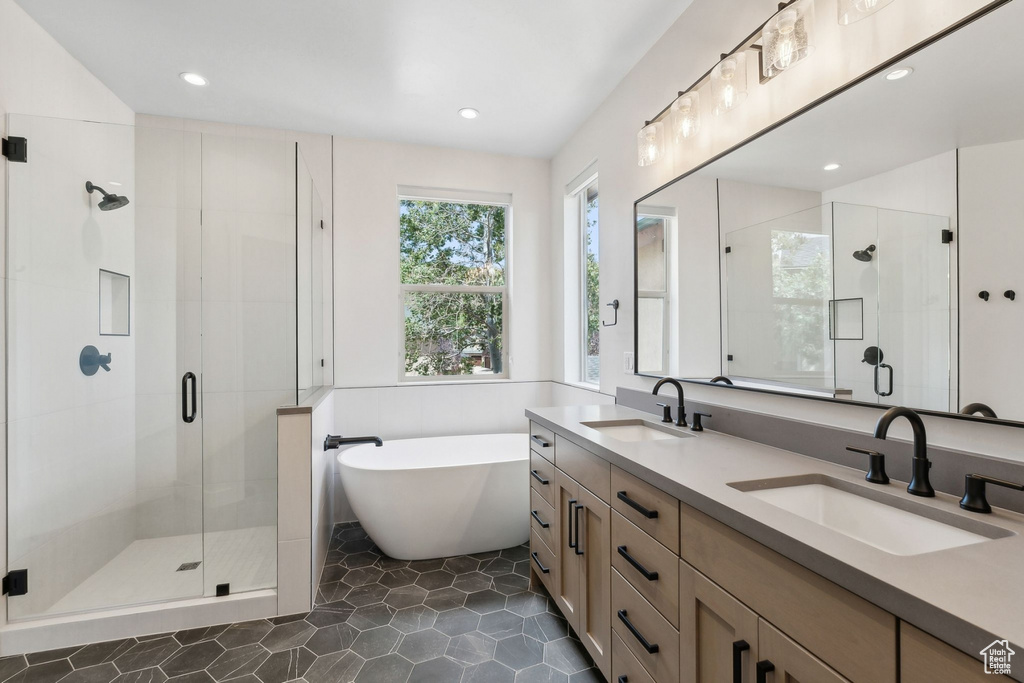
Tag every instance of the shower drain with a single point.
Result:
(189, 566)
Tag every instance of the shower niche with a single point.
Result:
(177, 263)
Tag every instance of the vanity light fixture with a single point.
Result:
(193, 78)
(899, 73)
(729, 82)
(650, 144)
(468, 113)
(685, 115)
(832, 167)
(855, 10)
(788, 37)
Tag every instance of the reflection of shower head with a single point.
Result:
(109, 201)
(864, 254)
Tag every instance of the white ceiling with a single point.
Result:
(965, 91)
(389, 69)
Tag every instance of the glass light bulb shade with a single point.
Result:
(855, 10)
(729, 82)
(788, 37)
(686, 116)
(650, 145)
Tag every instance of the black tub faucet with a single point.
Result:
(681, 415)
(919, 483)
(332, 442)
(978, 409)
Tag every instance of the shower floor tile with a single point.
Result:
(147, 570)
(469, 619)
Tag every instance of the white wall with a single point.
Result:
(687, 49)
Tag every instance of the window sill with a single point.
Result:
(586, 386)
(448, 382)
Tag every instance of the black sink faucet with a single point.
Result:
(919, 484)
(681, 415)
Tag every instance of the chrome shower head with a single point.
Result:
(864, 254)
(109, 201)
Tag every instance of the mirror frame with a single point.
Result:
(962, 23)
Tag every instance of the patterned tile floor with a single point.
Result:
(468, 619)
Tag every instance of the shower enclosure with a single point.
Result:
(154, 476)
(845, 300)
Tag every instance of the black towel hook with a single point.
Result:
(615, 307)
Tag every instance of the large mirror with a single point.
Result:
(868, 250)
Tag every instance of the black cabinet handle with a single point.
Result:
(186, 416)
(763, 667)
(623, 679)
(738, 648)
(543, 569)
(651, 648)
(539, 440)
(649, 514)
(572, 543)
(650, 576)
(536, 475)
(578, 546)
(543, 524)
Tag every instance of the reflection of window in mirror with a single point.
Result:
(652, 227)
(590, 276)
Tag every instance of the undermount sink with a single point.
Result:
(895, 525)
(636, 430)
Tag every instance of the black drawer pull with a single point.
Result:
(651, 648)
(623, 679)
(540, 441)
(578, 547)
(568, 525)
(650, 576)
(543, 569)
(762, 669)
(543, 524)
(649, 514)
(536, 475)
(738, 648)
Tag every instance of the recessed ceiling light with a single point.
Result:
(832, 167)
(899, 73)
(468, 113)
(193, 79)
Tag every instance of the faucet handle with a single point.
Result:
(697, 425)
(876, 468)
(974, 499)
(666, 412)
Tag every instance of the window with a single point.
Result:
(652, 289)
(454, 289)
(590, 276)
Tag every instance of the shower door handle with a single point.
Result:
(186, 379)
(878, 388)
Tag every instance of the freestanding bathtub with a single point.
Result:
(437, 497)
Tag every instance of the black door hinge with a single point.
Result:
(15, 149)
(947, 236)
(728, 250)
(223, 589)
(16, 582)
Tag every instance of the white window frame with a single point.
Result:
(668, 217)
(581, 230)
(460, 197)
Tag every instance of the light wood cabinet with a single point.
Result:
(649, 566)
(567, 558)
(591, 471)
(924, 659)
(542, 476)
(718, 635)
(647, 506)
(542, 441)
(594, 535)
(781, 660)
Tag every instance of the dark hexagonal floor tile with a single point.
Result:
(361, 576)
(353, 533)
(366, 595)
(541, 673)
(198, 677)
(510, 584)
(146, 654)
(51, 655)
(527, 604)
(487, 555)
(90, 655)
(519, 652)
(330, 614)
(333, 592)
(406, 596)
(372, 616)
(497, 567)
(357, 560)
(587, 676)
(101, 673)
(396, 578)
(360, 545)
(332, 639)
(461, 564)
(388, 563)
(198, 635)
(386, 669)
(522, 568)
(12, 665)
(376, 642)
(501, 624)
(286, 665)
(412, 619)
(486, 601)
(288, 636)
(471, 648)
(445, 599)
(332, 573)
(340, 667)
(423, 645)
(472, 582)
(151, 675)
(489, 672)
(438, 670)
(239, 661)
(516, 554)
(546, 627)
(192, 658)
(457, 621)
(567, 655)
(424, 566)
(435, 580)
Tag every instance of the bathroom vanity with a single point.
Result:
(682, 556)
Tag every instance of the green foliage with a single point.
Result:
(454, 245)
(801, 279)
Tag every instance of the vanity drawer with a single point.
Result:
(850, 634)
(628, 493)
(625, 666)
(540, 514)
(542, 440)
(588, 469)
(654, 559)
(657, 634)
(541, 559)
(542, 478)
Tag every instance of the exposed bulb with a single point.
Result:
(686, 116)
(729, 82)
(787, 44)
(649, 146)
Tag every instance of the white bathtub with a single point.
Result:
(437, 497)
